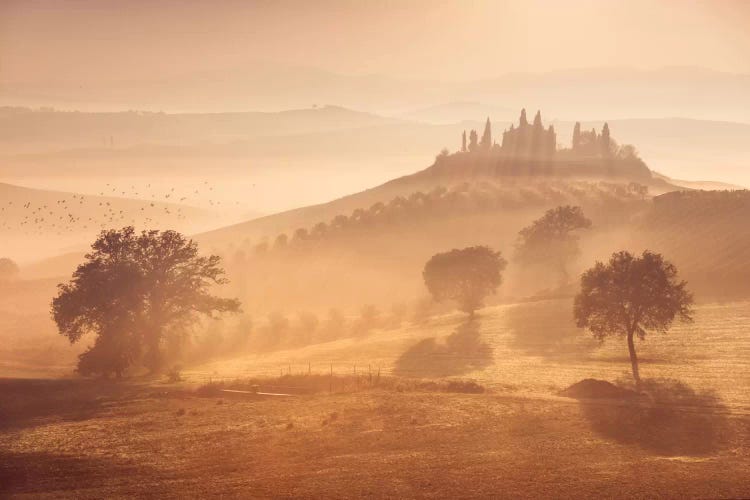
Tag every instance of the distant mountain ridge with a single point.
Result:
(37, 130)
(611, 92)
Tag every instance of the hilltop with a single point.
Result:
(522, 157)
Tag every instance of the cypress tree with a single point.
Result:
(508, 137)
(538, 119)
(522, 122)
(486, 141)
(576, 136)
(463, 142)
(473, 141)
(551, 140)
(537, 135)
(604, 140)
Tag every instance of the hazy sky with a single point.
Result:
(99, 40)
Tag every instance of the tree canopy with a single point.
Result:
(630, 296)
(8, 269)
(551, 239)
(139, 294)
(466, 276)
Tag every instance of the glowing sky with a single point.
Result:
(99, 40)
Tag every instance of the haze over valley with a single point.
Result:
(332, 249)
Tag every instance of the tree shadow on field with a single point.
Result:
(462, 351)
(667, 418)
(40, 474)
(27, 402)
(547, 329)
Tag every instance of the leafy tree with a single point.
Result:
(261, 248)
(369, 318)
(398, 313)
(307, 325)
(334, 325)
(486, 142)
(137, 293)
(466, 276)
(8, 269)
(281, 242)
(627, 152)
(629, 296)
(551, 239)
(641, 190)
(319, 230)
(339, 222)
(473, 146)
(300, 234)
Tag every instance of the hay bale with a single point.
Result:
(591, 388)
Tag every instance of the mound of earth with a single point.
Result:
(591, 388)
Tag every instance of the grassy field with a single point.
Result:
(128, 441)
(532, 347)
(689, 437)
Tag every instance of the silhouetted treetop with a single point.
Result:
(486, 142)
(466, 276)
(8, 269)
(535, 142)
(629, 296)
(551, 239)
(137, 292)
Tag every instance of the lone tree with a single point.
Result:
(8, 269)
(551, 239)
(629, 296)
(466, 276)
(137, 293)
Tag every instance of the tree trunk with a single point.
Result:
(634, 360)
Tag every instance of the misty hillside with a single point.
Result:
(448, 171)
(319, 256)
(36, 223)
(705, 234)
(359, 149)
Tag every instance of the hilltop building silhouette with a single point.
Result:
(534, 141)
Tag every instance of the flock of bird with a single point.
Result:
(114, 207)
